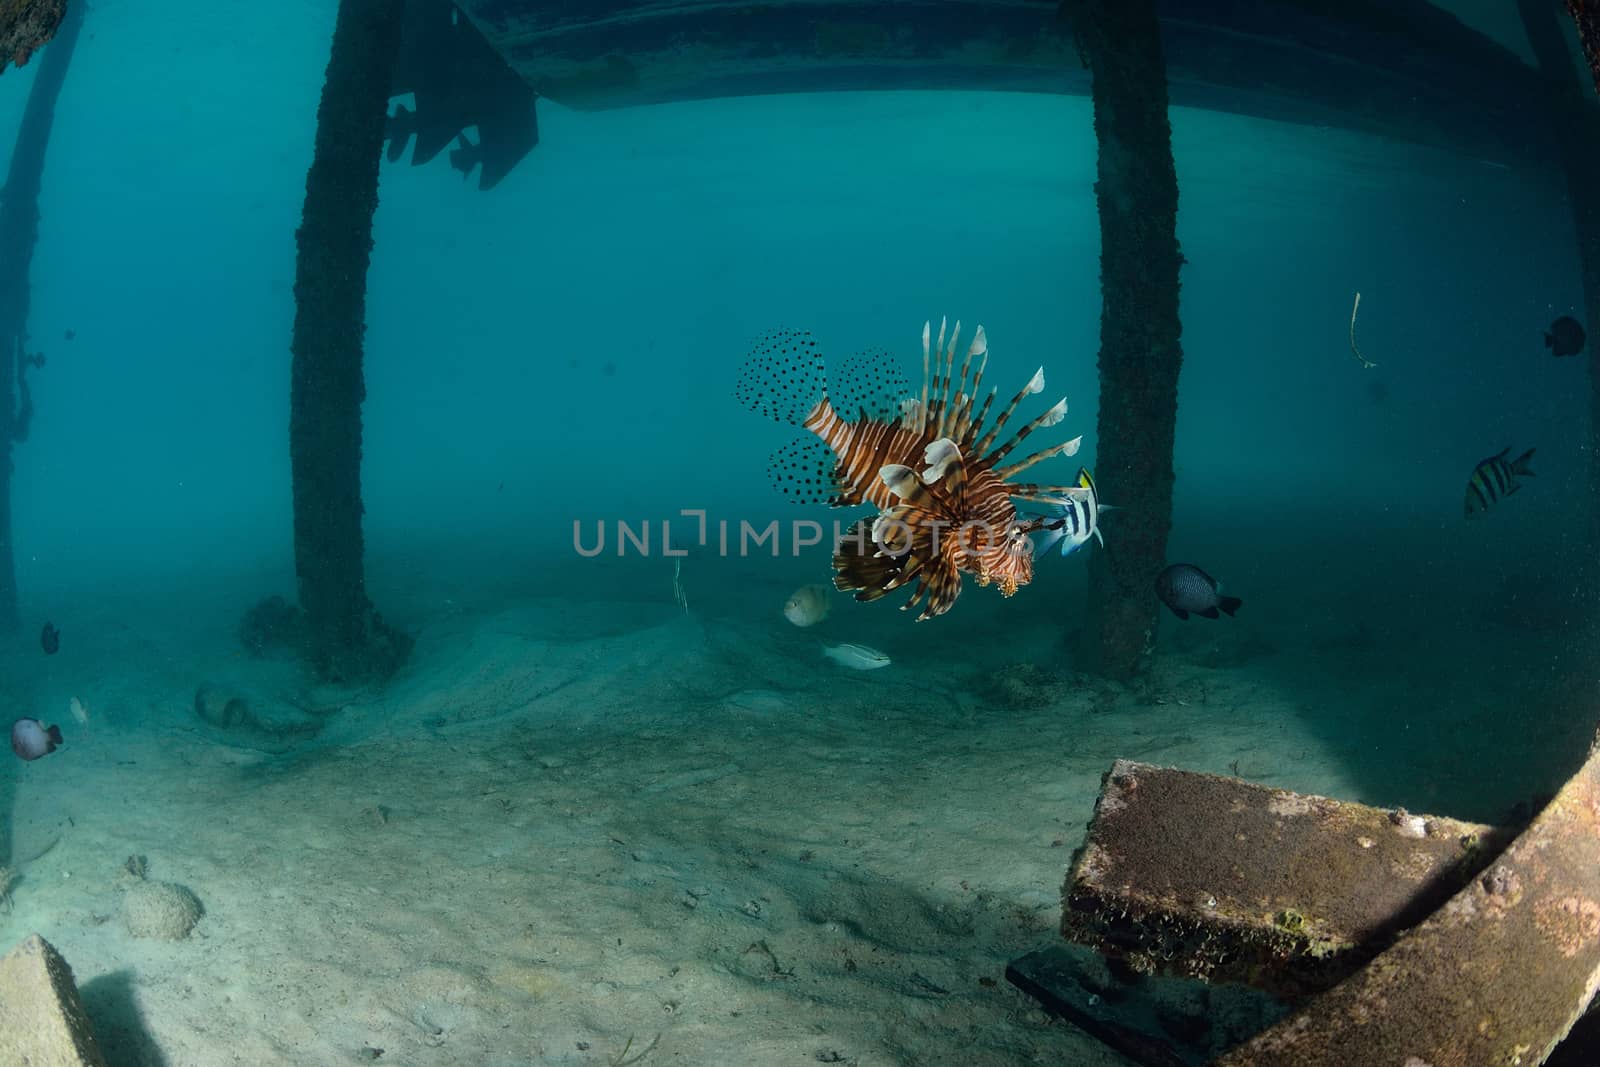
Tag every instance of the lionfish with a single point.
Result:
(955, 513)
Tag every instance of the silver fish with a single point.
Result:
(856, 657)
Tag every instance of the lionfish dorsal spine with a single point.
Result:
(977, 422)
(1046, 494)
(1065, 448)
(922, 406)
(946, 407)
(958, 387)
(980, 348)
(1035, 385)
(936, 391)
(1055, 414)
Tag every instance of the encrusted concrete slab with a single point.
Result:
(1498, 975)
(42, 1024)
(1216, 878)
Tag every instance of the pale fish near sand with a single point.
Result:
(807, 606)
(80, 712)
(856, 657)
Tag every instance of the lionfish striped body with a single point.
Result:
(945, 504)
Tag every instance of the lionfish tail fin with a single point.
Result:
(784, 377)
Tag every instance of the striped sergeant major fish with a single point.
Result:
(1076, 518)
(1494, 478)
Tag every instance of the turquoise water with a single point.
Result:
(562, 350)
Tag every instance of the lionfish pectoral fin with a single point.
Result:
(946, 472)
(938, 501)
(865, 596)
(943, 583)
(860, 567)
(902, 481)
(939, 457)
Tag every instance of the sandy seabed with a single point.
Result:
(612, 833)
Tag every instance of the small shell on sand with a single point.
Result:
(808, 606)
(80, 713)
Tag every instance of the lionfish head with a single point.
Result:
(1007, 564)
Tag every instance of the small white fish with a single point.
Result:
(79, 711)
(856, 657)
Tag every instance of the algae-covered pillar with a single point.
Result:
(1137, 192)
(345, 639)
(19, 230)
(1575, 123)
(1586, 13)
(26, 25)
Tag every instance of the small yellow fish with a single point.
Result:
(807, 606)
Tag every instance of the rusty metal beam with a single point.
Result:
(1215, 878)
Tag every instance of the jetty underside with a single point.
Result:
(1401, 68)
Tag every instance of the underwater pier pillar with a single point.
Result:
(26, 25)
(1576, 124)
(19, 232)
(1586, 13)
(1137, 193)
(345, 639)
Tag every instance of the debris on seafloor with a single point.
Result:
(1498, 974)
(1211, 877)
(1154, 1022)
(1306, 898)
